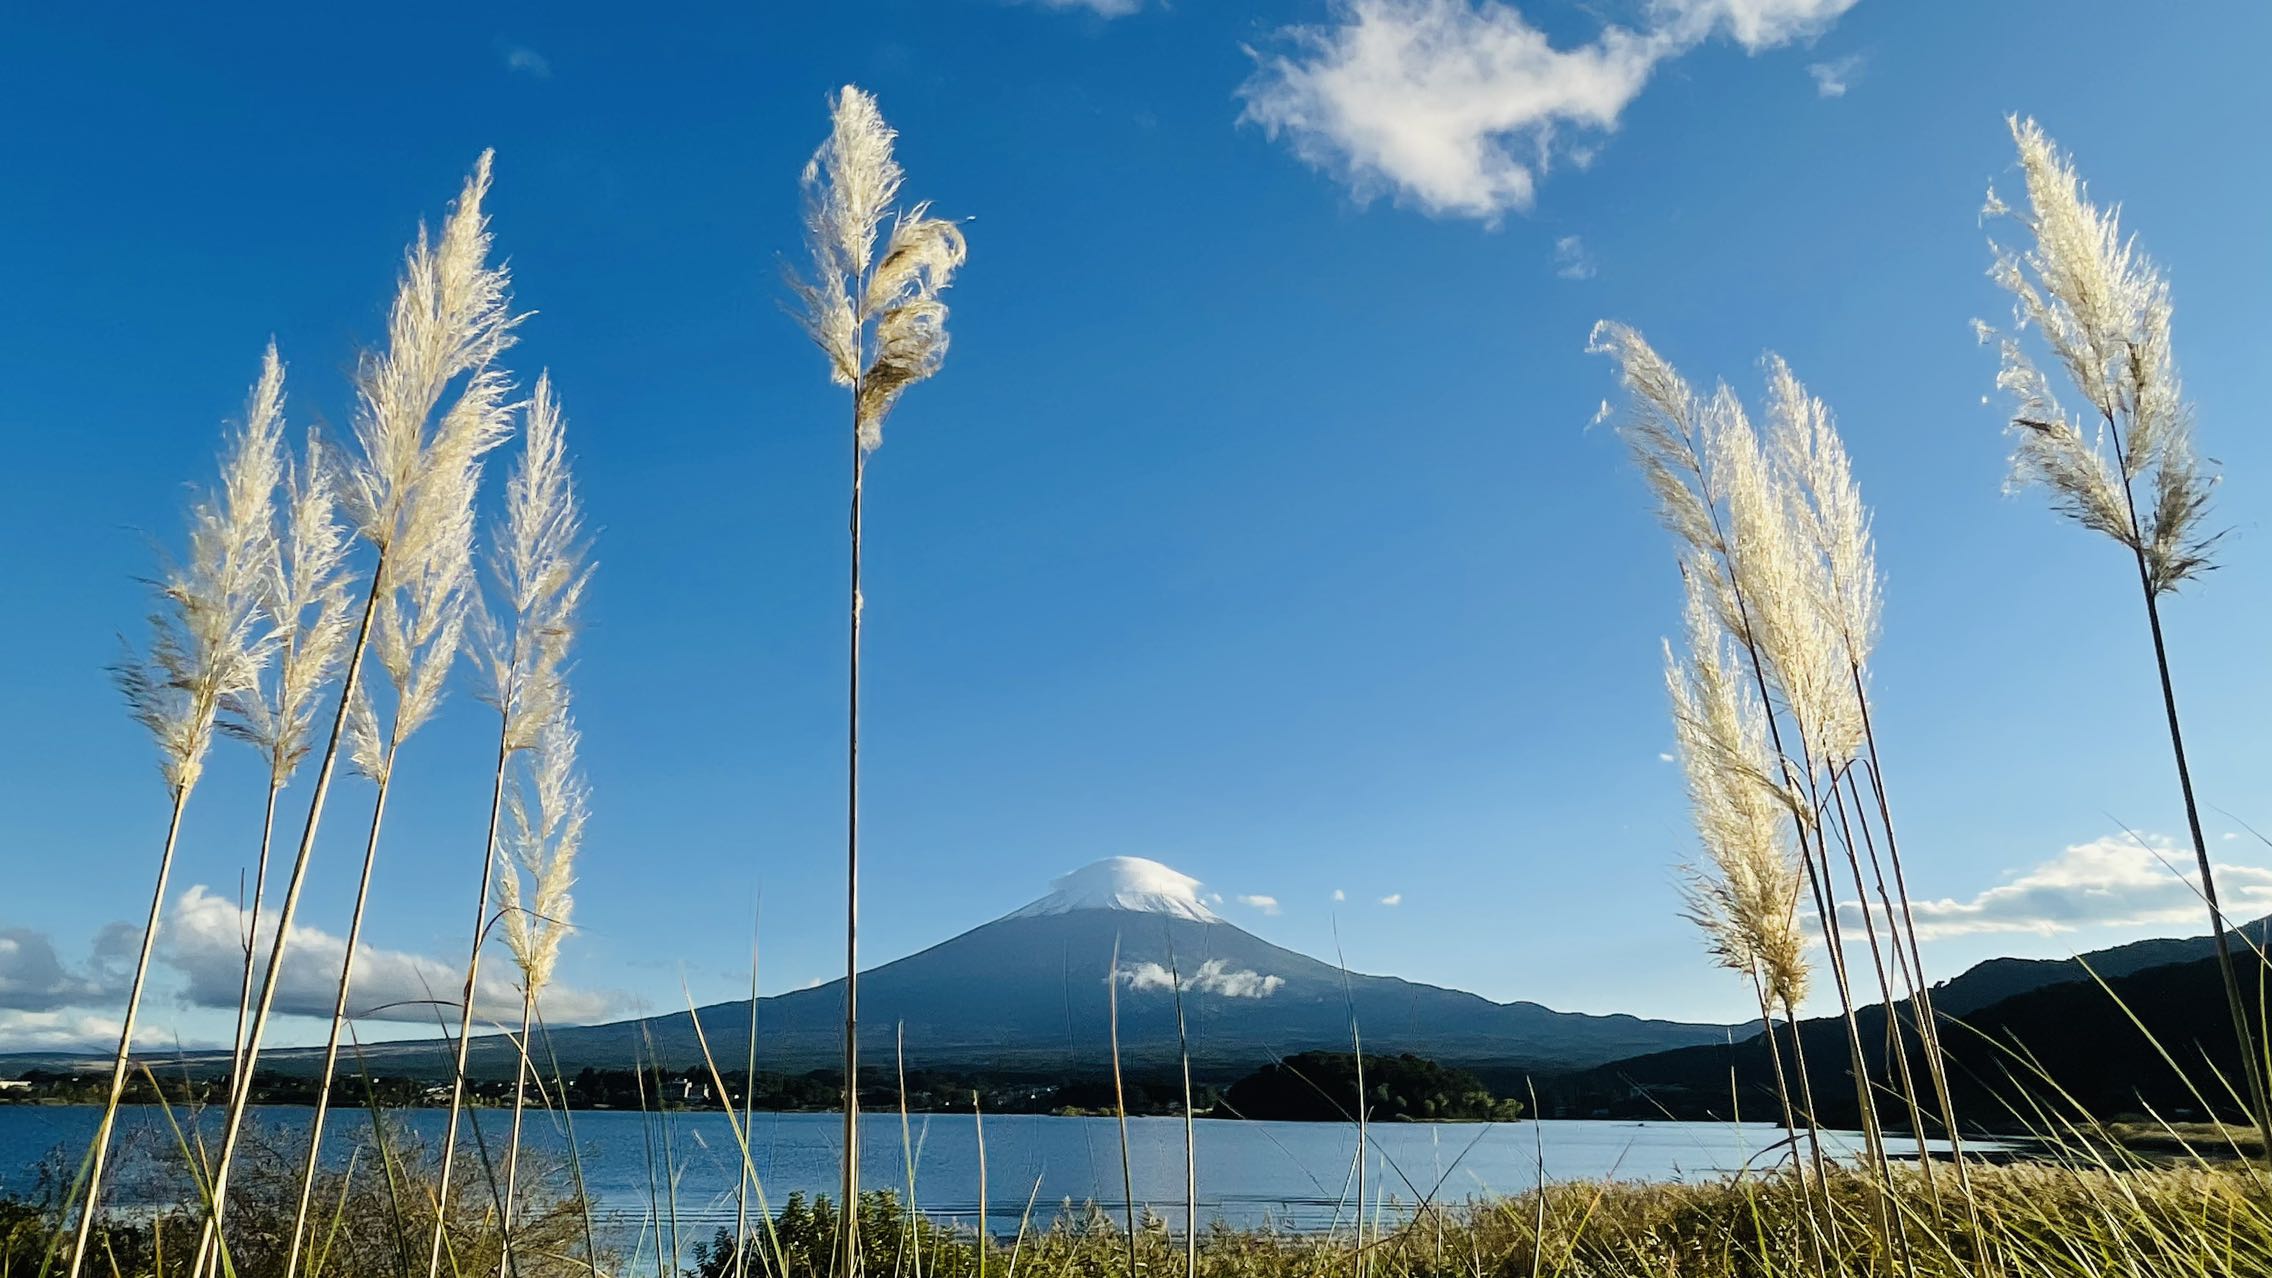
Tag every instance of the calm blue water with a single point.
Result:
(1297, 1175)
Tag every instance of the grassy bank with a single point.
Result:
(2034, 1219)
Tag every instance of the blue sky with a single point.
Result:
(1255, 524)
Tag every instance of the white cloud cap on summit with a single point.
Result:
(1459, 106)
(1131, 883)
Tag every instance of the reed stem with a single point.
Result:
(465, 1005)
(104, 1126)
(338, 1020)
(240, 1093)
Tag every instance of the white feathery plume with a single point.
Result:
(421, 618)
(452, 317)
(547, 809)
(1826, 506)
(1745, 549)
(1746, 895)
(208, 637)
(2103, 309)
(539, 569)
(305, 602)
(1664, 430)
(849, 187)
(1783, 583)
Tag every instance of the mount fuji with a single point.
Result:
(1028, 991)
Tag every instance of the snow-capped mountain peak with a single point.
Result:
(1130, 883)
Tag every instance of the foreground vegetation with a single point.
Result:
(2071, 1217)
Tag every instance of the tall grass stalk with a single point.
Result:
(978, 1122)
(749, 1110)
(907, 1145)
(1357, 1047)
(208, 642)
(575, 1155)
(547, 831)
(880, 322)
(306, 605)
(1190, 1142)
(1825, 505)
(741, 1134)
(405, 493)
(2103, 309)
(1120, 1102)
(1744, 521)
(539, 570)
(421, 625)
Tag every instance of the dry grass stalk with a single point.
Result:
(209, 640)
(540, 572)
(1742, 555)
(879, 321)
(416, 637)
(547, 809)
(406, 493)
(2125, 466)
(306, 604)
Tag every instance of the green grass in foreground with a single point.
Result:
(2036, 1219)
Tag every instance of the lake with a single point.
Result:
(1295, 1175)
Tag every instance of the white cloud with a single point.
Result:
(523, 60)
(33, 978)
(1102, 8)
(2111, 882)
(1266, 904)
(75, 1031)
(1572, 259)
(203, 940)
(1215, 976)
(1393, 898)
(1663, 757)
(1754, 24)
(1833, 78)
(1459, 106)
(1340, 895)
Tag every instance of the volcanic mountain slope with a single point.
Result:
(1028, 992)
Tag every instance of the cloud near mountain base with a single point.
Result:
(1215, 976)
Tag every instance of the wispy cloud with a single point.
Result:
(1572, 259)
(523, 60)
(1460, 106)
(1215, 976)
(1102, 8)
(1833, 78)
(1266, 904)
(76, 1031)
(2110, 882)
(203, 940)
(1393, 898)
